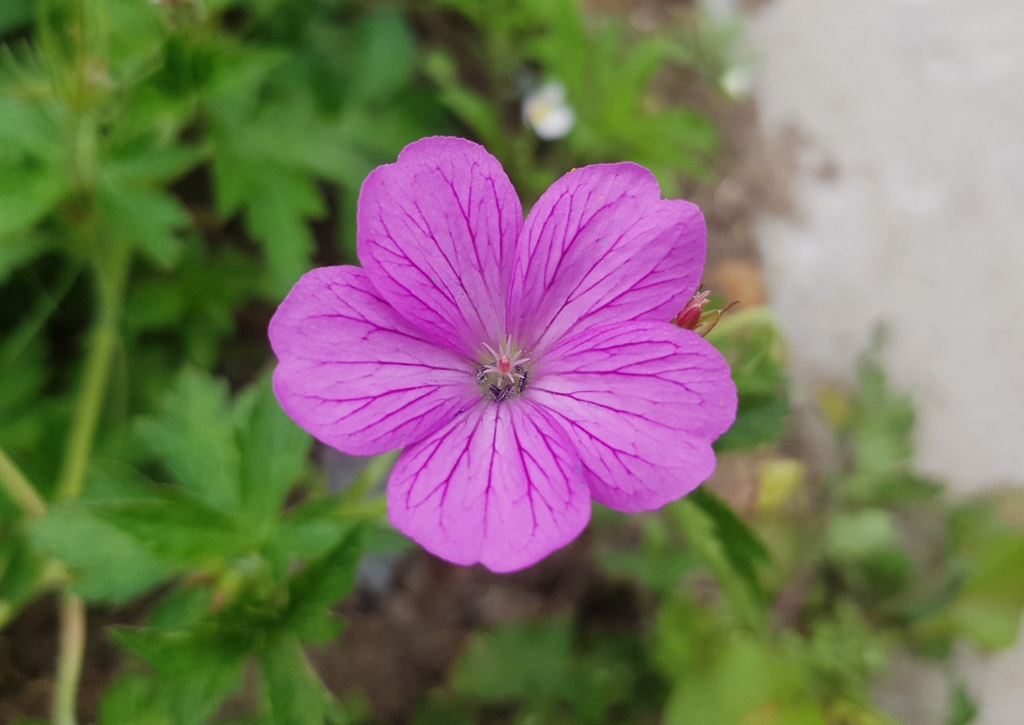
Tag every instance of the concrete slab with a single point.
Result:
(911, 208)
(910, 212)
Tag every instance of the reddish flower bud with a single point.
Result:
(689, 317)
(693, 317)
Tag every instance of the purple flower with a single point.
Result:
(526, 367)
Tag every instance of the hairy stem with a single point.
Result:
(69, 661)
(18, 487)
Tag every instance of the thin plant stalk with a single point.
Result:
(89, 407)
(76, 463)
(69, 663)
(19, 488)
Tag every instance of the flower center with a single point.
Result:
(507, 375)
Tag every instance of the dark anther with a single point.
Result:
(521, 385)
(500, 394)
(481, 376)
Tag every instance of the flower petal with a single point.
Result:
(354, 373)
(499, 485)
(437, 230)
(642, 402)
(602, 246)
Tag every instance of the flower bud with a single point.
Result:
(693, 317)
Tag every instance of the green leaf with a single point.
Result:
(759, 420)
(278, 202)
(30, 129)
(184, 608)
(658, 569)
(386, 51)
(15, 14)
(133, 35)
(195, 671)
(133, 700)
(277, 214)
(147, 217)
(274, 453)
(179, 528)
(238, 72)
(741, 545)
(21, 566)
(295, 136)
(294, 692)
(842, 655)
(197, 302)
(142, 164)
(988, 623)
(884, 422)
(18, 250)
(314, 590)
(989, 605)
(27, 194)
(310, 529)
(743, 595)
(155, 304)
(752, 344)
(194, 438)
(34, 178)
(521, 660)
(746, 681)
(108, 565)
(889, 488)
(963, 710)
(859, 535)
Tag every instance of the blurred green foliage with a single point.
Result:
(608, 75)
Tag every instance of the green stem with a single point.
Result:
(87, 412)
(18, 487)
(97, 372)
(69, 662)
(111, 269)
(76, 463)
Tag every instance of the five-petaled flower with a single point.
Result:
(525, 367)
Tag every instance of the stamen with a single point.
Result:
(524, 375)
(491, 351)
(505, 377)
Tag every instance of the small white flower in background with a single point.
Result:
(547, 113)
(738, 81)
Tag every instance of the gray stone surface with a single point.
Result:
(910, 202)
(909, 211)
